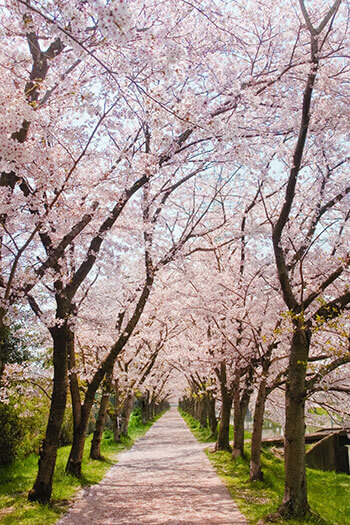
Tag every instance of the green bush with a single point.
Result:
(11, 433)
(108, 435)
(32, 408)
(25, 419)
(135, 418)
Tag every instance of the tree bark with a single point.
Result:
(256, 474)
(74, 383)
(42, 487)
(79, 432)
(76, 453)
(116, 427)
(95, 451)
(213, 422)
(203, 411)
(81, 414)
(295, 501)
(117, 413)
(126, 413)
(152, 411)
(2, 341)
(223, 440)
(145, 408)
(2, 368)
(76, 403)
(239, 413)
(240, 402)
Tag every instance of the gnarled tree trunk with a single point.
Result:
(295, 501)
(42, 487)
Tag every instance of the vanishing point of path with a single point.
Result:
(165, 478)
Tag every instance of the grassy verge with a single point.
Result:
(203, 434)
(328, 492)
(16, 480)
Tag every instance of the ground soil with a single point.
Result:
(165, 478)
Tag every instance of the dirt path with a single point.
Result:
(165, 478)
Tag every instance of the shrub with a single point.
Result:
(135, 418)
(11, 433)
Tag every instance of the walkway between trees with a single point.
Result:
(165, 479)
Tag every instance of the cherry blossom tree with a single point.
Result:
(312, 294)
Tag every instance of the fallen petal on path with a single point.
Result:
(165, 478)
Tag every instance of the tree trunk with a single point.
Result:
(295, 502)
(2, 369)
(192, 407)
(42, 487)
(239, 413)
(81, 415)
(223, 440)
(213, 423)
(241, 401)
(95, 451)
(238, 432)
(203, 412)
(76, 453)
(116, 427)
(256, 473)
(145, 408)
(126, 413)
(74, 383)
(76, 403)
(152, 413)
(150, 408)
(117, 413)
(2, 343)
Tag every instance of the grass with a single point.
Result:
(328, 492)
(17, 479)
(203, 434)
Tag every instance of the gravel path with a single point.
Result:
(165, 478)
